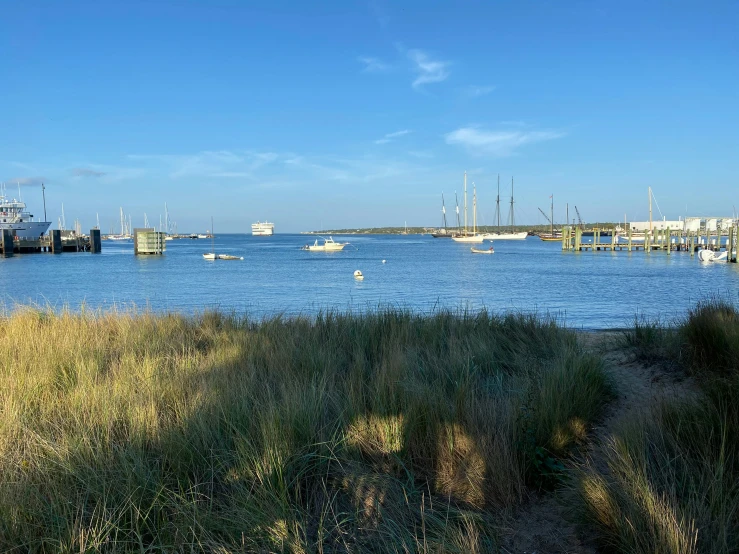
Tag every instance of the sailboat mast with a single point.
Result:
(443, 211)
(474, 210)
(465, 203)
(513, 220)
(650, 211)
(551, 212)
(212, 236)
(456, 201)
(497, 204)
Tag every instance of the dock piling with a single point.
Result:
(95, 242)
(56, 241)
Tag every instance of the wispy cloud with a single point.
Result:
(87, 172)
(474, 91)
(427, 69)
(373, 65)
(498, 143)
(210, 163)
(25, 181)
(390, 136)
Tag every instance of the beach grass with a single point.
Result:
(381, 432)
(670, 482)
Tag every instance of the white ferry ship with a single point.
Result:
(13, 215)
(260, 229)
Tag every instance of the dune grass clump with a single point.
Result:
(387, 431)
(711, 337)
(649, 340)
(672, 478)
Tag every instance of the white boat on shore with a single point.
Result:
(329, 245)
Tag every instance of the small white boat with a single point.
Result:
(711, 256)
(358, 275)
(210, 256)
(229, 257)
(329, 245)
(201, 236)
(482, 251)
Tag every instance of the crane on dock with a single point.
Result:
(579, 219)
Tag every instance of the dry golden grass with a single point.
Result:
(380, 432)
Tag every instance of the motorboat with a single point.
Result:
(482, 250)
(329, 245)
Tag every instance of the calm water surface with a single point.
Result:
(586, 290)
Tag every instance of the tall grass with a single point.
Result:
(380, 432)
(672, 478)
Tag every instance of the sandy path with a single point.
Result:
(541, 525)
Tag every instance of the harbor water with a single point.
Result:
(590, 290)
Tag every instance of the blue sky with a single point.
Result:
(353, 114)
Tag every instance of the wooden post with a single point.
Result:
(613, 240)
(578, 238)
(95, 242)
(669, 241)
(629, 238)
(692, 248)
(56, 241)
(565, 237)
(730, 244)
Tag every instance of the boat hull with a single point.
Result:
(323, 248)
(483, 251)
(474, 239)
(27, 230)
(509, 236)
(260, 229)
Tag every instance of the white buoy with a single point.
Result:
(383, 261)
(358, 275)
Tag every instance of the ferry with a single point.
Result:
(260, 229)
(15, 216)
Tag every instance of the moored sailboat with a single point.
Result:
(442, 232)
(473, 236)
(551, 236)
(512, 234)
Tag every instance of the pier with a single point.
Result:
(665, 240)
(55, 242)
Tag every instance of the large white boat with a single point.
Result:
(329, 245)
(15, 216)
(264, 229)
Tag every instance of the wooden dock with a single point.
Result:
(665, 240)
(55, 242)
